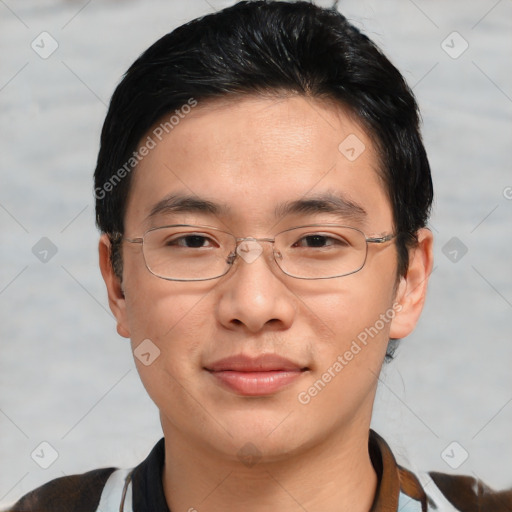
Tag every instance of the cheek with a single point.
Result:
(355, 307)
(172, 315)
(348, 361)
(356, 317)
(177, 326)
(154, 306)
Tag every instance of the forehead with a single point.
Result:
(254, 156)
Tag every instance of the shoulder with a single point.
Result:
(469, 494)
(75, 493)
(432, 491)
(450, 493)
(102, 490)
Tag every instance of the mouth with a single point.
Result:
(255, 376)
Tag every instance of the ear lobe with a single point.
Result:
(116, 299)
(412, 289)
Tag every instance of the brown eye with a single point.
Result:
(189, 241)
(192, 241)
(319, 240)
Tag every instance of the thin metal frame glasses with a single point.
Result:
(183, 252)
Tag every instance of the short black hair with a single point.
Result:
(262, 47)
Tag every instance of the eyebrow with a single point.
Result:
(176, 203)
(329, 202)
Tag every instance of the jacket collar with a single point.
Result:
(148, 494)
(393, 479)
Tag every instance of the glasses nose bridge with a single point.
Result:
(251, 239)
(240, 240)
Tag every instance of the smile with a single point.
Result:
(259, 376)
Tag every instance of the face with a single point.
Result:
(258, 356)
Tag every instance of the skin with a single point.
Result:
(251, 154)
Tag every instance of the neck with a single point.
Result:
(332, 476)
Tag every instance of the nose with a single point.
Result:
(254, 295)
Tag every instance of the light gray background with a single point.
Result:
(68, 379)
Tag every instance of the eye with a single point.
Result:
(192, 241)
(320, 240)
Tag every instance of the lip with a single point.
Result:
(255, 376)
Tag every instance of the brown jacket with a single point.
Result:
(140, 489)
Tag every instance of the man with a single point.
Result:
(263, 193)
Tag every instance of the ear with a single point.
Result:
(412, 288)
(116, 299)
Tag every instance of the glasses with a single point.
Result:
(199, 253)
